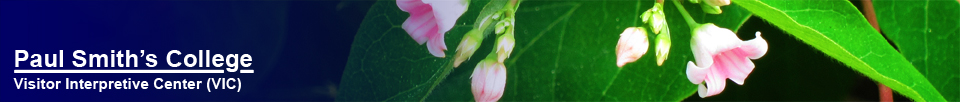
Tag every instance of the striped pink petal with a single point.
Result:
(429, 20)
(632, 45)
(721, 55)
(488, 81)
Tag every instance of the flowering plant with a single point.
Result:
(657, 50)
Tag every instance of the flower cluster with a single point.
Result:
(490, 75)
(633, 42)
(719, 53)
(429, 19)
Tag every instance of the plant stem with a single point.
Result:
(447, 69)
(886, 94)
(870, 13)
(686, 16)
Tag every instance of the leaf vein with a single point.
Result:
(835, 44)
(543, 32)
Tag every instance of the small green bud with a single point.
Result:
(500, 27)
(504, 47)
(710, 9)
(656, 18)
(658, 23)
(469, 45)
(694, 1)
(496, 16)
(647, 15)
(663, 47)
(503, 25)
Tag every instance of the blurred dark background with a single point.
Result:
(299, 47)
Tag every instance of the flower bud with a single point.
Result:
(488, 81)
(645, 17)
(496, 16)
(505, 44)
(632, 45)
(663, 47)
(469, 44)
(694, 1)
(657, 19)
(711, 9)
(717, 2)
(500, 27)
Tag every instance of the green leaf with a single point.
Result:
(840, 31)
(485, 18)
(926, 33)
(565, 52)
(386, 64)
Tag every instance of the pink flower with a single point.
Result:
(721, 55)
(632, 45)
(489, 78)
(430, 19)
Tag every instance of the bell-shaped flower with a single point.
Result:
(430, 19)
(505, 44)
(632, 45)
(469, 44)
(488, 80)
(720, 55)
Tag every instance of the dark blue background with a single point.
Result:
(299, 47)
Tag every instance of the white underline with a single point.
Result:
(246, 71)
(120, 71)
